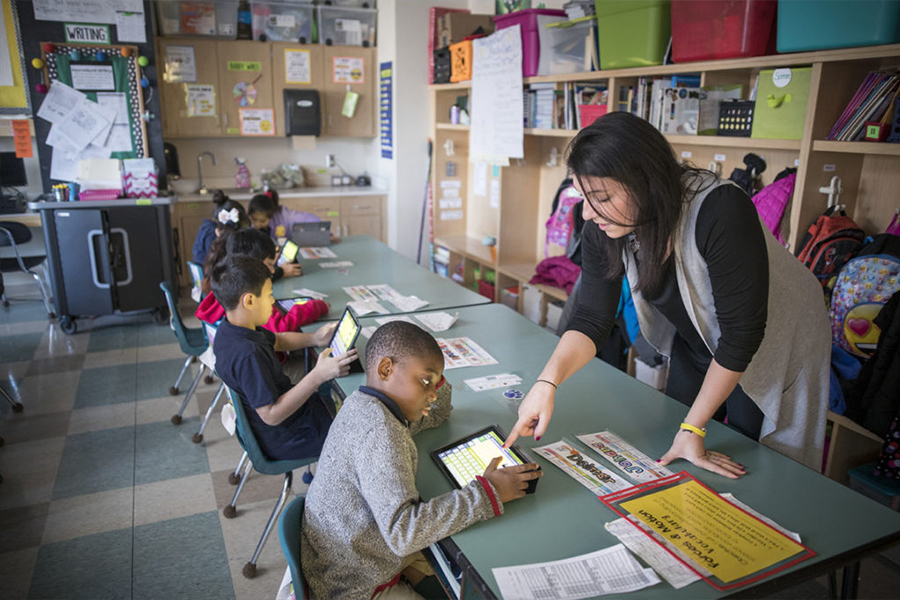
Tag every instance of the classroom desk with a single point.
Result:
(563, 519)
(374, 263)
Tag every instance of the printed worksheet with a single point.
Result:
(364, 307)
(493, 382)
(438, 321)
(463, 352)
(339, 264)
(582, 469)
(666, 565)
(308, 293)
(317, 252)
(625, 457)
(383, 320)
(609, 571)
(361, 293)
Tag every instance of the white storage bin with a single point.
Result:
(283, 21)
(531, 303)
(655, 377)
(346, 26)
(554, 312)
(206, 19)
(563, 49)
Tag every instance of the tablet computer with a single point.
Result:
(286, 304)
(288, 253)
(312, 233)
(467, 458)
(345, 336)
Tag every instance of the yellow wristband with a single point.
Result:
(692, 429)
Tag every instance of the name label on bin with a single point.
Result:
(781, 77)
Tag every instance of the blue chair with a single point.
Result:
(193, 343)
(264, 465)
(289, 534)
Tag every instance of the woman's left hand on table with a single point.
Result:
(689, 446)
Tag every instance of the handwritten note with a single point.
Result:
(497, 133)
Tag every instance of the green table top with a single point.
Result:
(374, 263)
(563, 519)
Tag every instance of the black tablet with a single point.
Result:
(467, 458)
(286, 304)
(288, 253)
(346, 333)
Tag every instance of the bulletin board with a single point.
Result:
(127, 76)
(13, 98)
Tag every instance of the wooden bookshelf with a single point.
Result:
(873, 148)
(714, 141)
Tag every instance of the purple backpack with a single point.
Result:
(562, 222)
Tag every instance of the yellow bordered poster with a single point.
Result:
(723, 543)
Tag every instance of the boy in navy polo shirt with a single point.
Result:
(289, 421)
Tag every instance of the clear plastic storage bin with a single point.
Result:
(346, 26)
(563, 47)
(283, 21)
(206, 19)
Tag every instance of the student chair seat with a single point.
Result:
(193, 343)
(264, 465)
(289, 534)
(13, 235)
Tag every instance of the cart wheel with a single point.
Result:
(68, 325)
(161, 316)
(51, 315)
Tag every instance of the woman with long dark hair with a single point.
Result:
(741, 319)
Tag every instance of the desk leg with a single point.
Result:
(832, 585)
(850, 583)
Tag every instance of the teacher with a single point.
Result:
(742, 321)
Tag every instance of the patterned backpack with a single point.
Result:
(561, 223)
(863, 287)
(829, 243)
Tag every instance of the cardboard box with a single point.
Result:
(454, 27)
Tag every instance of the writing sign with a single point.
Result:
(87, 34)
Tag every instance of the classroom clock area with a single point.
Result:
(449, 299)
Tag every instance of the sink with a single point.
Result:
(184, 186)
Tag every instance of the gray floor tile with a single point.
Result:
(22, 527)
(106, 385)
(113, 338)
(19, 347)
(96, 461)
(151, 334)
(155, 378)
(93, 567)
(23, 310)
(181, 558)
(165, 451)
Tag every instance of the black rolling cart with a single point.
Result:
(108, 257)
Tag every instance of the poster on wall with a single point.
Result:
(181, 64)
(348, 69)
(200, 100)
(257, 121)
(386, 109)
(84, 11)
(296, 66)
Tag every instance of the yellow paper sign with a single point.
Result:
(244, 65)
(713, 533)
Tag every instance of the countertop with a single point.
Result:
(88, 204)
(303, 192)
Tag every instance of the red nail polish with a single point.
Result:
(658, 460)
(537, 439)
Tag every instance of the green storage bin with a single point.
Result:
(781, 101)
(633, 33)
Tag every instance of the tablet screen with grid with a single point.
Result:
(472, 457)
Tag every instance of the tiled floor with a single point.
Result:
(102, 497)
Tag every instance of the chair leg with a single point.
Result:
(230, 511)
(249, 570)
(17, 407)
(44, 295)
(198, 437)
(234, 477)
(176, 419)
(173, 391)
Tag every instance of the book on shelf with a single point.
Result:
(873, 101)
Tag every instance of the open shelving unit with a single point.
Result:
(870, 172)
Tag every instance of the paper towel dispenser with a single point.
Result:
(302, 112)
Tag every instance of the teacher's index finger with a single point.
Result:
(524, 426)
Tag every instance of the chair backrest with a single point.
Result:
(289, 534)
(175, 318)
(18, 231)
(247, 440)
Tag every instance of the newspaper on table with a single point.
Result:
(625, 457)
(609, 571)
(463, 352)
(574, 463)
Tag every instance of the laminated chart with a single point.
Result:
(628, 459)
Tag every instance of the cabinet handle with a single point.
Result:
(329, 119)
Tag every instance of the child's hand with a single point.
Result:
(323, 334)
(334, 239)
(292, 270)
(511, 482)
(332, 367)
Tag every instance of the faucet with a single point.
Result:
(200, 156)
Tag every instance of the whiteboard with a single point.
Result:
(84, 11)
(497, 132)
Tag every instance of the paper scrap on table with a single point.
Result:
(666, 566)
(408, 303)
(609, 571)
(317, 252)
(628, 459)
(367, 332)
(438, 321)
(582, 469)
(360, 292)
(59, 102)
(364, 307)
(340, 264)
(308, 293)
(463, 352)
(404, 318)
(493, 382)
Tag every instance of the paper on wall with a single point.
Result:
(497, 131)
(479, 183)
(451, 203)
(451, 215)
(200, 100)
(296, 66)
(59, 101)
(92, 77)
(130, 27)
(84, 11)
(495, 193)
(86, 122)
(119, 139)
(63, 165)
(181, 64)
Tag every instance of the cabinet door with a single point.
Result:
(245, 80)
(178, 121)
(288, 72)
(362, 215)
(326, 208)
(349, 68)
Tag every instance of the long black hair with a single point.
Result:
(627, 149)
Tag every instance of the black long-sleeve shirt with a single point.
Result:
(730, 239)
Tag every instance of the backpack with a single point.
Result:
(829, 243)
(562, 221)
(862, 288)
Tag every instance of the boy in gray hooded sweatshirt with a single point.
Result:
(364, 522)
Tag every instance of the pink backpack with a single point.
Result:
(771, 201)
(562, 222)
